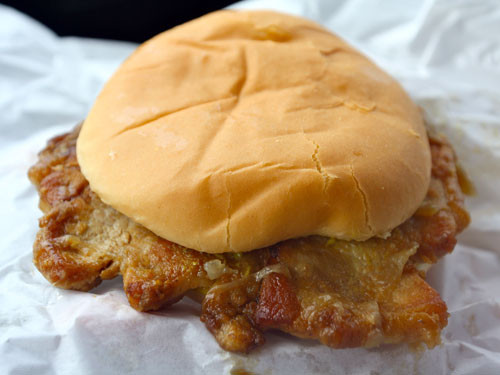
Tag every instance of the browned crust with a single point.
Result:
(345, 294)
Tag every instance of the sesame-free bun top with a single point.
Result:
(241, 129)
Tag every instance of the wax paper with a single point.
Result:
(445, 53)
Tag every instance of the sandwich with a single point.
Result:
(257, 163)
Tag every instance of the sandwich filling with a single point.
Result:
(343, 293)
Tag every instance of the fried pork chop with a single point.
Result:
(343, 293)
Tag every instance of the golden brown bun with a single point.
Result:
(242, 129)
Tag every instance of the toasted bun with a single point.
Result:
(241, 129)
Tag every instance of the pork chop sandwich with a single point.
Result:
(258, 163)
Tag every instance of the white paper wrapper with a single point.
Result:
(447, 55)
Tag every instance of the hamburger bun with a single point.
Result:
(241, 129)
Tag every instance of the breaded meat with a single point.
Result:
(343, 293)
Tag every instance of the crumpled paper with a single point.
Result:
(445, 53)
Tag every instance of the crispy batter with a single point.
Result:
(346, 294)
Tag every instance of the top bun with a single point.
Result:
(241, 129)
